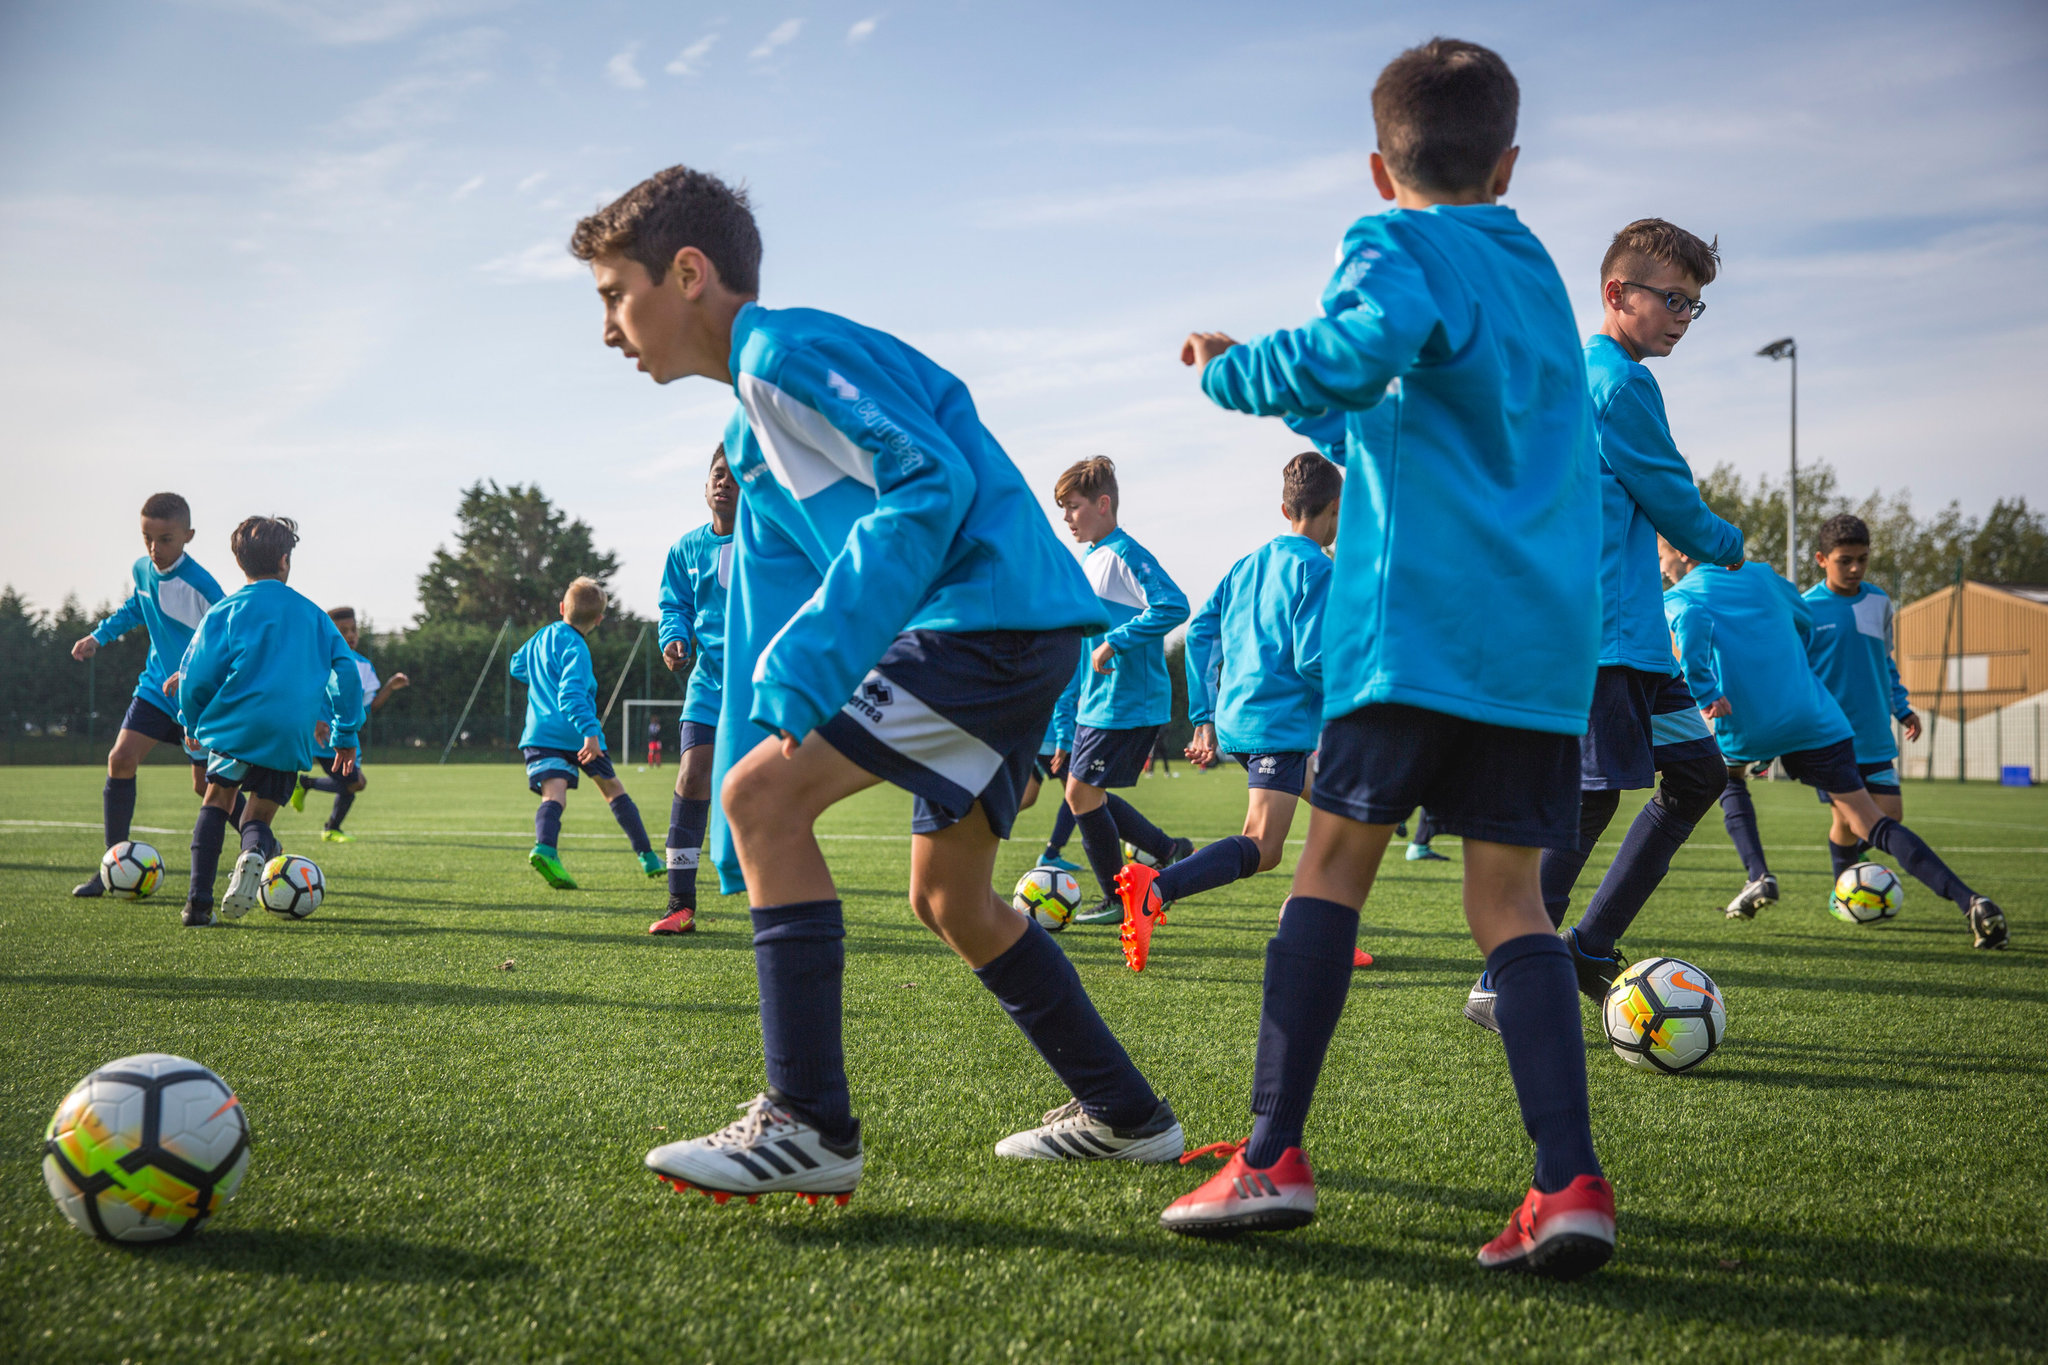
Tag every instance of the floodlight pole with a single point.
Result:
(1785, 348)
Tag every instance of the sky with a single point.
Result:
(308, 257)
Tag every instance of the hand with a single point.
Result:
(1201, 750)
(344, 762)
(1721, 707)
(790, 743)
(1202, 347)
(592, 750)
(171, 684)
(675, 655)
(1911, 723)
(1105, 657)
(321, 731)
(85, 649)
(397, 682)
(1057, 764)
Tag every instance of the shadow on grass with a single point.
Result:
(303, 991)
(336, 1257)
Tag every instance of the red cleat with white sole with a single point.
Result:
(678, 921)
(1562, 1235)
(1143, 912)
(1242, 1198)
(1360, 958)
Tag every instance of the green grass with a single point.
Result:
(447, 1160)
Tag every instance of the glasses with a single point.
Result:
(1673, 300)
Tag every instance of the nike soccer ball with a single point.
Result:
(1049, 895)
(146, 1149)
(131, 871)
(1866, 894)
(1134, 854)
(292, 886)
(1665, 1015)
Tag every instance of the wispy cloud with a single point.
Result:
(781, 36)
(690, 60)
(863, 30)
(348, 22)
(467, 188)
(1315, 178)
(532, 182)
(622, 72)
(544, 261)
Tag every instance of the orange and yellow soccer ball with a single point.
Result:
(1664, 1015)
(1867, 893)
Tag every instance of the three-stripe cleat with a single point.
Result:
(1244, 1198)
(1068, 1133)
(768, 1150)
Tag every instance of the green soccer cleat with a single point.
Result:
(335, 836)
(1423, 853)
(549, 864)
(298, 801)
(1109, 910)
(651, 864)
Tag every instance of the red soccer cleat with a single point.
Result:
(682, 921)
(1143, 912)
(1562, 1235)
(1242, 1198)
(1360, 958)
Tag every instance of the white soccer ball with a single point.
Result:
(1665, 1015)
(1866, 894)
(130, 871)
(1134, 854)
(292, 886)
(1049, 895)
(146, 1149)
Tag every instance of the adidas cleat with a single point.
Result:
(681, 920)
(1143, 912)
(90, 890)
(198, 915)
(1596, 974)
(245, 887)
(651, 863)
(768, 1150)
(1987, 923)
(1068, 1133)
(298, 796)
(1423, 853)
(1243, 1198)
(336, 836)
(548, 863)
(1754, 897)
(1479, 1004)
(1108, 910)
(1562, 1235)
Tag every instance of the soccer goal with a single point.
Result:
(638, 715)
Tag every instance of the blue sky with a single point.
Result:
(307, 257)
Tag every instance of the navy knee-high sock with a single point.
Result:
(1214, 865)
(1062, 830)
(323, 783)
(117, 809)
(800, 958)
(1308, 976)
(547, 824)
(1560, 867)
(241, 809)
(628, 816)
(1425, 828)
(257, 839)
(1099, 842)
(1136, 830)
(1845, 856)
(687, 817)
(1041, 991)
(343, 800)
(1738, 813)
(1916, 857)
(1656, 834)
(1537, 1008)
(208, 833)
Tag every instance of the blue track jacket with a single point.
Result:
(1851, 652)
(257, 673)
(1468, 550)
(1743, 635)
(1255, 650)
(693, 588)
(1646, 490)
(169, 606)
(561, 689)
(1144, 606)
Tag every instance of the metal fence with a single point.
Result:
(1982, 748)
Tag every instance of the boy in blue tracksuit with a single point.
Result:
(170, 595)
(1643, 725)
(375, 693)
(563, 736)
(253, 677)
(1462, 633)
(1125, 696)
(1742, 643)
(693, 590)
(1255, 693)
(900, 612)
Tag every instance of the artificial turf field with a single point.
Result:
(452, 1073)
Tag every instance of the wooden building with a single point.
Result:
(1967, 652)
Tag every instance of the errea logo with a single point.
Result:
(877, 692)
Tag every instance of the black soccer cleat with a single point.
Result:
(1596, 974)
(1182, 848)
(199, 915)
(1987, 923)
(90, 890)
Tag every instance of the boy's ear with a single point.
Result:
(1381, 180)
(1504, 170)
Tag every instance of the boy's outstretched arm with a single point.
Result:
(1694, 631)
(576, 697)
(1635, 440)
(126, 617)
(1308, 628)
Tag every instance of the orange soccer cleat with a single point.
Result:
(1243, 1198)
(1143, 911)
(1562, 1235)
(681, 920)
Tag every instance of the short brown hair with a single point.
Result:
(586, 601)
(1445, 112)
(1843, 529)
(1654, 241)
(261, 543)
(1091, 478)
(668, 211)
(340, 614)
(167, 507)
(1309, 484)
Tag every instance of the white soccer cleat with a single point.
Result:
(245, 887)
(1479, 1004)
(768, 1150)
(1069, 1134)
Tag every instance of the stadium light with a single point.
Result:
(1785, 348)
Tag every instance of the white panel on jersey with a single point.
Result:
(806, 452)
(368, 673)
(1113, 580)
(181, 602)
(1870, 613)
(886, 710)
(725, 565)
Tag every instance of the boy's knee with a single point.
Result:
(1689, 788)
(749, 795)
(1271, 850)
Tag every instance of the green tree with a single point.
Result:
(515, 553)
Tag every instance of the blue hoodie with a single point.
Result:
(1468, 548)
(1255, 650)
(1742, 634)
(169, 605)
(1851, 652)
(258, 671)
(693, 588)
(1144, 605)
(561, 689)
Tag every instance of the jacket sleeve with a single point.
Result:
(1902, 700)
(1694, 631)
(344, 690)
(1068, 707)
(678, 602)
(517, 664)
(1308, 626)
(126, 617)
(1802, 614)
(1166, 606)
(1635, 441)
(576, 693)
(1326, 433)
(204, 668)
(1202, 658)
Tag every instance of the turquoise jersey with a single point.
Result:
(366, 678)
(1742, 635)
(169, 606)
(693, 588)
(1468, 548)
(1851, 652)
(257, 672)
(1646, 490)
(561, 689)
(1143, 606)
(1255, 650)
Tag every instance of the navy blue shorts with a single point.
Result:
(1275, 772)
(1640, 721)
(695, 734)
(1479, 781)
(542, 764)
(1828, 769)
(1111, 758)
(1879, 779)
(326, 762)
(1042, 765)
(269, 784)
(956, 719)
(147, 718)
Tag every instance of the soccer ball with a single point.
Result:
(1664, 1014)
(146, 1149)
(1865, 894)
(1049, 895)
(131, 871)
(292, 886)
(1134, 854)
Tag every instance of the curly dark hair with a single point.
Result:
(670, 210)
(261, 543)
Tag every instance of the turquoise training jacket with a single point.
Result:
(1646, 490)
(1742, 635)
(1851, 652)
(257, 673)
(561, 689)
(693, 589)
(1468, 549)
(169, 606)
(1255, 650)
(1143, 605)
